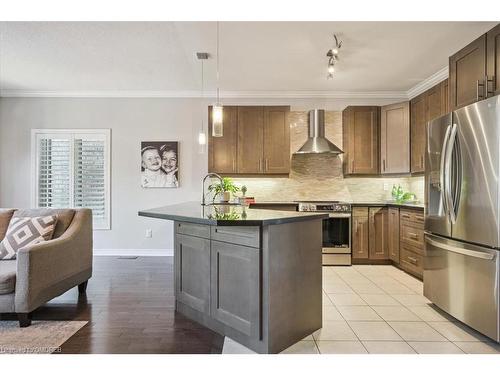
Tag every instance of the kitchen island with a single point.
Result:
(253, 275)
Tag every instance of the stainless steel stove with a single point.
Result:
(336, 230)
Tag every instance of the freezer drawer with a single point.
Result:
(463, 280)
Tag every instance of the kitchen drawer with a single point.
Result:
(412, 235)
(412, 217)
(247, 236)
(360, 211)
(191, 229)
(413, 249)
(411, 261)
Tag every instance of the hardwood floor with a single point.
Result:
(130, 307)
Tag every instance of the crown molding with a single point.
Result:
(196, 94)
(426, 84)
(257, 94)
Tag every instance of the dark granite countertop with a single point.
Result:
(391, 204)
(235, 215)
(418, 206)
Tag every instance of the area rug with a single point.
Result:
(42, 337)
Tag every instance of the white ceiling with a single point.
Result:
(255, 56)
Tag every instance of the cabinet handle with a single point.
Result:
(413, 260)
(479, 97)
(406, 216)
(413, 235)
(266, 165)
(383, 164)
(352, 166)
(487, 91)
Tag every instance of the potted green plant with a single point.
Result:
(223, 190)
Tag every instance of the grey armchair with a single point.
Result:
(47, 269)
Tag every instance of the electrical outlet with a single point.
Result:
(149, 233)
(386, 186)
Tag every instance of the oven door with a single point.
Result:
(336, 234)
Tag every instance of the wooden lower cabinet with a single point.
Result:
(412, 241)
(360, 233)
(389, 234)
(377, 233)
(393, 234)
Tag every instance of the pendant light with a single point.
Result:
(217, 109)
(202, 137)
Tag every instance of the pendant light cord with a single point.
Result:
(202, 95)
(217, 65)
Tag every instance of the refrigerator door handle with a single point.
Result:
(447, 171)
(458, 250)
(442, 179)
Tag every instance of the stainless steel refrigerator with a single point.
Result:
(462, 215)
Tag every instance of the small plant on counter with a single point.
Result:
(400, 196)
(224, 190)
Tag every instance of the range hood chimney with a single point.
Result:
(317, 143)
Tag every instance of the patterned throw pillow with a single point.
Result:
(26, 231)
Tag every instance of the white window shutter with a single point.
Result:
(72, 169)
(90, 179)
(54, 168)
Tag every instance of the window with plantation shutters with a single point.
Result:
(72, 170)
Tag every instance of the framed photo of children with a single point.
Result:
(159, 164)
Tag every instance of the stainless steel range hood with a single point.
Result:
(317, 142)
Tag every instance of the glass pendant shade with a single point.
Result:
(217, 115)
(202, 138)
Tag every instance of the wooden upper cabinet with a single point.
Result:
(276, 140)
(361, 140)
(493, 60)
(434, 102)
(445, 97)
(250, 139)
(222, 150)
(378, 217)
(256, 140)
(418, 120)
(467, 74)
(395, 138)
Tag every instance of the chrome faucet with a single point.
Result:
(203, 185)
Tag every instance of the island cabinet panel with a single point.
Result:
(360, 233)
(393, 234)
(222, 151)
(248, 236)
(276, 140)
(468, 73)
(378, 241)
(395, 138)
(493, 60)
(192, 284)
(250, 140)
(197, 230)
(235, 288)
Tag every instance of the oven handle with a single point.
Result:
(339, 215)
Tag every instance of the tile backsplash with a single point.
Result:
(319, 177)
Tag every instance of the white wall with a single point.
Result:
(131, 120)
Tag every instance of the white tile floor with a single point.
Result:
(381, 309)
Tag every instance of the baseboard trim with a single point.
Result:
(134, 252)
